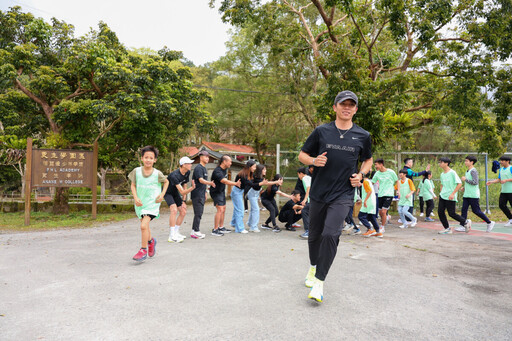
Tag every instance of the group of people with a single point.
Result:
(338, 156)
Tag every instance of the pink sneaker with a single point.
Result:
(152, 247)
(141, 255)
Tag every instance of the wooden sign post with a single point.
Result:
(61, 168)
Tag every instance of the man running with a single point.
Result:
(335, 149)
(198, 195)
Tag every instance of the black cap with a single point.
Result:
(344, 95)
(204, 152)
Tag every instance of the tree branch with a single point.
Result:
(326, 19)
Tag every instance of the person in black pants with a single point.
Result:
(335, 149)
(269, 202)
(198, 195)
(291, 211)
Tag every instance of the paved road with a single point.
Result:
(411, 285)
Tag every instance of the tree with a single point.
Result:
(409, 59)
(91, 89)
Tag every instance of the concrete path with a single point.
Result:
(411, 285)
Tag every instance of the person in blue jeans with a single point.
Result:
(237, 195)
(254, 194)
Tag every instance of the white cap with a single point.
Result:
(185, 160)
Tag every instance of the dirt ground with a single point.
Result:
(413, 284)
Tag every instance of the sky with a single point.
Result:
(190, 26)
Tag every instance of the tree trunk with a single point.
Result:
(60, 202)
(103, 181)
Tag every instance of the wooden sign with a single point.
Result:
(61, 168)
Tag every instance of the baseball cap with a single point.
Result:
(185, 160)
(204, 152)
(250, 163)
(344, 95)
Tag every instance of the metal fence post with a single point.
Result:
(487, 210)
(278, 163)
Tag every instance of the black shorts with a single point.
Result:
(385, 202)
(219, 199)
(148, 215)
(171, 200)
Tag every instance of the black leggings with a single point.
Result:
(430, 207)
(448, 205)
(504, 198)
(421, 204)
(271, 206)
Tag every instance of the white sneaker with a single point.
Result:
(404, 226)
(389, 218)
(399, 221)
(421, 214)
(509, 223)
(317, 291)
(382, 230)
(197, 235)
(460, 229)
(296, 225)
(445, 231)
(310, 277)
(256, 230)
(179, 235)
(490, 226)
(432, 214)
(414, 222)
(467, 225)
(244, 231)
(173, 238)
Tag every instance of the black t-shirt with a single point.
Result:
(217, 175)
(199, 172)
(256, 184)
(269, 196)
(332, 182)
(288, 206)
(176, 178)
(299, 186)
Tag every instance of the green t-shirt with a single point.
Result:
(372, 200)
(506, 173)
(449, 181)
(427, 187)
(387, 181)
(306, 182)
(406, 187)
(148, 189)
(470, 190)
(420, 187)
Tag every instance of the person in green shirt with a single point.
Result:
(148, 194)
(427, 192)
(450, 185)
(471, 195)
(405, 191)
(505, 179)
(387, 180)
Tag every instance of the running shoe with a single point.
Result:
(378, 235)
(197, 235)
(467, 225)
(445, 231)
(179, 235)
(255, 230)
(295, 225)
(399, 221)
(225, 230)
(266, 227)
(388, 218)
(244, 231)
(317, 291)
(432, 214)
(290, 228)
(382, 229)
(356, 231)
(429, 219)
(217, 233)
(404, 226)
(305, 235)
(509, 223)
(369, 233)
(490, 226)
(141, 255)
(152, 247)
(421, 214)
(276, 229)
(310, 277)
(414, 222)
(460, 229)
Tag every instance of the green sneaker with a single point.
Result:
(310, 277)
(317, 291)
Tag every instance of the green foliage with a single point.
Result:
(72, 91)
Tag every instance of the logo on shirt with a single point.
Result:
(338, 147)
(355, 138)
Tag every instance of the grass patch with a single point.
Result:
(40, 221)
(414, 248)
